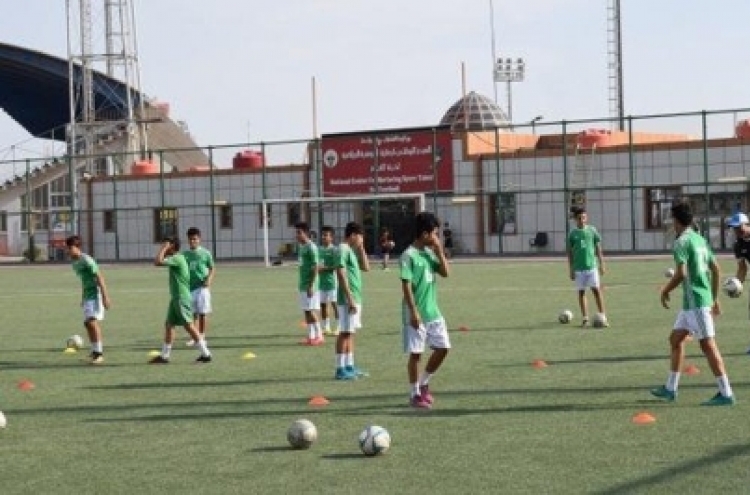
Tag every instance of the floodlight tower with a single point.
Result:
(102, 36)
(614, 63)
(509, 71)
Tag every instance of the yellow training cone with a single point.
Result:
(248, 355)
(70, 350)
(153, 353)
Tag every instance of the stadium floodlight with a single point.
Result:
(509, 71)
(418, 198)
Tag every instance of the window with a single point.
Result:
(3, 221)
(502, 216)
(225, 216)
(658, 202)
(109, 221)
(292, 214)
(165, 223)
(268, 219)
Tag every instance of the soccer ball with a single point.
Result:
(374, 440)
(732, 287)
(74, 342)
(301, 434)
(565, 316)
(3, 421)
(599, 321)
(669, 272)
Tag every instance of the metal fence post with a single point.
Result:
(631, 165)
(212, 200)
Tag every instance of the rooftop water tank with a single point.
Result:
(248, 159)
(144, 167)
(593, 138)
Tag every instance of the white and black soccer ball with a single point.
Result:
(374, 440)
(74, 342)
(3, 421)
(669, 273)
(565, 316)
(599, 321)
(301, 434)
(732, 287)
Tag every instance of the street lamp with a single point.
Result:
(534, 121)
(509, 71)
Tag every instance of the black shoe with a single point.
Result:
(203, 359)
(158, 360)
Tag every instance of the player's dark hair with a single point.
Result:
(425, 222)
(326, 228)
(193, 232)
(73, 240)
(303, 227)
(174, 241)
(577, 210)
(353, 228)
(683, 214)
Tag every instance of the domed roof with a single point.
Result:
(482, 113)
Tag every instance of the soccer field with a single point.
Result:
(499, 425)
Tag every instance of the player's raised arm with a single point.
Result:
(364, 262)
(162, 254)
(437, 248)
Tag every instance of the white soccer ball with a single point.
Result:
(565, 316)
(599, 320)
(669, 272)
(74, 342)
(732, 287)
(3, 421)
(301, 434)
(374, 440)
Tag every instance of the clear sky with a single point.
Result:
(239, 70)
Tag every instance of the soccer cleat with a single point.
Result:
(585, 322)
(418, 402)
(96, 358)
(158, 360)
(343, 374)
(203, 359)
(719, 400)
(356, 371)
(663, 393)
(424, 392)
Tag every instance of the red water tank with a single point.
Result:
(742, 129)
(144, 167)
(248, 159)
(591, 138)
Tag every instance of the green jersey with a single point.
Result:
(179, 277)
(582, 243)
(347, 260)
(328, 258)
(200, 262)
(691, 250)
(88, 271)
(418, 266)
(308, 261)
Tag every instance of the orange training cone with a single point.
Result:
(318, 400)
(25, 385)
(691, 369)
(643, 418)
(539, 364)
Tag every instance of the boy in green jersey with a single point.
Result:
(584, 250)
(180, 311)
(309, 299)
(350, 263)
(94, 296)
(202, 272)
(327, 274)
(698, 273)
(423, 322)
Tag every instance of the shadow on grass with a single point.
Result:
(275, 448)
(338, 457)
(678, 470)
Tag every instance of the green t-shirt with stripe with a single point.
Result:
(87, 270)
(690, 249)
(309, 260)
(582, 243)
(328, 259)
(347, 259)
(419, 266)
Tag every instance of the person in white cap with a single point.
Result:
(741, 227)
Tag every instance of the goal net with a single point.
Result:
(373, 211)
